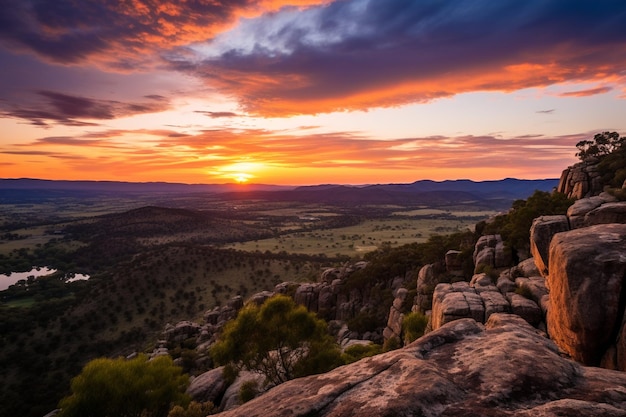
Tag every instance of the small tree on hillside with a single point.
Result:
(279, 340)
(602, 144)
(126, 388)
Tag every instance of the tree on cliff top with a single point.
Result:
(602, 144)
(280, 340)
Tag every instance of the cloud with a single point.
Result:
(72, 110)
(219, 114)
(357, 54)
(120, 35)
(549, 111)
(587, 92)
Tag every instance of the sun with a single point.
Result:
(240, 172)
(241, 178)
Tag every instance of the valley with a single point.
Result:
(158, 258)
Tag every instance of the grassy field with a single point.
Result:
(356, 240)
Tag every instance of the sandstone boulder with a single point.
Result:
(490, 251)
(181, 331)
(396, 315)
(306, 295)
(209, 386)
(453, 262)
(232, 398)
(527, 268)
(541, 233)
(526, 309)
(463, 369)
(456, 301)
(586, 283)
(505, 285)
(576, 212)
(606, 213)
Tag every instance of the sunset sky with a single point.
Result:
(306, 91)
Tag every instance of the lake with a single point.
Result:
(8, 280)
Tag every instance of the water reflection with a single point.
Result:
(6, 280)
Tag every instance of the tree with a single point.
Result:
(126, 388)
(602, 144)
(279, 340)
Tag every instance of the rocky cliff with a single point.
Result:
(581, 180)
(504, 368)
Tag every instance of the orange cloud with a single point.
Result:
(286, 93)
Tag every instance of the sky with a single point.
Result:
(297, 92)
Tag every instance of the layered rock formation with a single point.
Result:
(581, 180)
(504, 368)
(480, 298)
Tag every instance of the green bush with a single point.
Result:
(358, 352)
(392, 343)
(248, 391)
(118, 388)
(413, 326)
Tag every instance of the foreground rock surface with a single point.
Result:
(587, 294)
(504, 368)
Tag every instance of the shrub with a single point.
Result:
(149, 388)
(248, 391)
(413, 326)
(392, 343)
(524, 291)
(358, 352)
(194, 409)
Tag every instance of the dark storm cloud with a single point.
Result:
(357, 53)
(120, 33)
(64, 109)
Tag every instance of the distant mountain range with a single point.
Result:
(500, 192)
(128, 187)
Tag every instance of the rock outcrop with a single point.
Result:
(601, 209)
(481, 297)
(581, 180)
(505, 368)
(490, 251)
(396, 315)
(587, 283)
